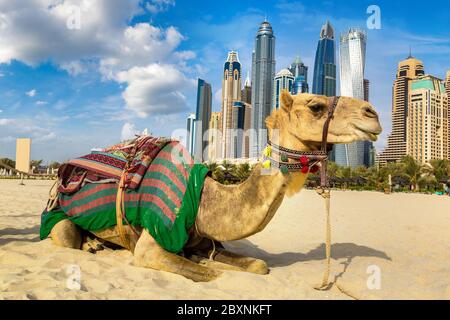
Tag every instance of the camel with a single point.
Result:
(232, 212)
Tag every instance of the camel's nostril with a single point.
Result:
(369, 112)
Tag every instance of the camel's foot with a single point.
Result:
(66, 234)
(92, 245)
(148, 253)
(239, 262)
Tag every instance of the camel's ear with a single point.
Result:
(286, 100)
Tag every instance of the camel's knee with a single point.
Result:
(66, 234)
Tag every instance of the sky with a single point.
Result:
(75, 75)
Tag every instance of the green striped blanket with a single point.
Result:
(165, 203)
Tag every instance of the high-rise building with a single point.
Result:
(190, 136)
(231, 92)
(427, 120)
(447, 90)
(324, 79)
(215, 137)
(352, 54)
(263, 72)
(300, 73)
(407, 70)
(246, 92)
(284, 80)
(366, 89)
(202, 116)
(239, 110)
(246, 96)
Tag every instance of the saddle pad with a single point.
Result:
(165, 203)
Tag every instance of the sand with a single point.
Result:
(384, 247)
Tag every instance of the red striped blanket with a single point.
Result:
(164, 201)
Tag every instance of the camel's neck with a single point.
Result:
(238, 211)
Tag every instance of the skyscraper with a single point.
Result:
(215, 136)
(263, 72)
(300, 73)
(190, 137)
(284, 80)
(324, 80)
(352, 62)
(246, 96)
(202, 117)
(427, 120)
(231, 92)
(407, 70)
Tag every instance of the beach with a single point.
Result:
(384, 246)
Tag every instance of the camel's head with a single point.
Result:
(300, 120)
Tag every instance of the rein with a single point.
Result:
(306, 161)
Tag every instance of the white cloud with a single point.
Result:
(6, 122)
(155, 89)
(128, 131)
(41, 103)
(104, 39)
(45, 137)
(31, 93)
(74, 68)
(155, 6)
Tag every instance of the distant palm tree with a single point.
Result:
(242, 171)
(215, 170)
(413, 170)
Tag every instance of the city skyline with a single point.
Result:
(56, 94)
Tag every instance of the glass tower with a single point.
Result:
(300, 73)
(284, 80)
(352, 54)
(202, 117)
(324, 79)
(263, 72)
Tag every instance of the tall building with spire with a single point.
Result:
(324, 79)
(263, 72)
(407, 70)
(284, 80)
(352, 55)
(202, 117)
(231, 93)
(300, 73)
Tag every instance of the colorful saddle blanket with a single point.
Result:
(163, 194)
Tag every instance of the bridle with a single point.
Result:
(313, 157)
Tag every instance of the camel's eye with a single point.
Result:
(316, 108)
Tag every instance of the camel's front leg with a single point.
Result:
(148, 253)
(248, 264)
(226, 260)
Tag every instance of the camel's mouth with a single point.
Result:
(366, 133)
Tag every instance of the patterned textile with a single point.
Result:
(110, 162)
(165, 202)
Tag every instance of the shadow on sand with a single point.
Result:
(18, 232)
(338, 251)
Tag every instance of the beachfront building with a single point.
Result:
(407, 70)
(352, 54)
(427, 120)
(300, 73)
(284, 80)
(231, 93)
(202, 117)
(263, 72)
